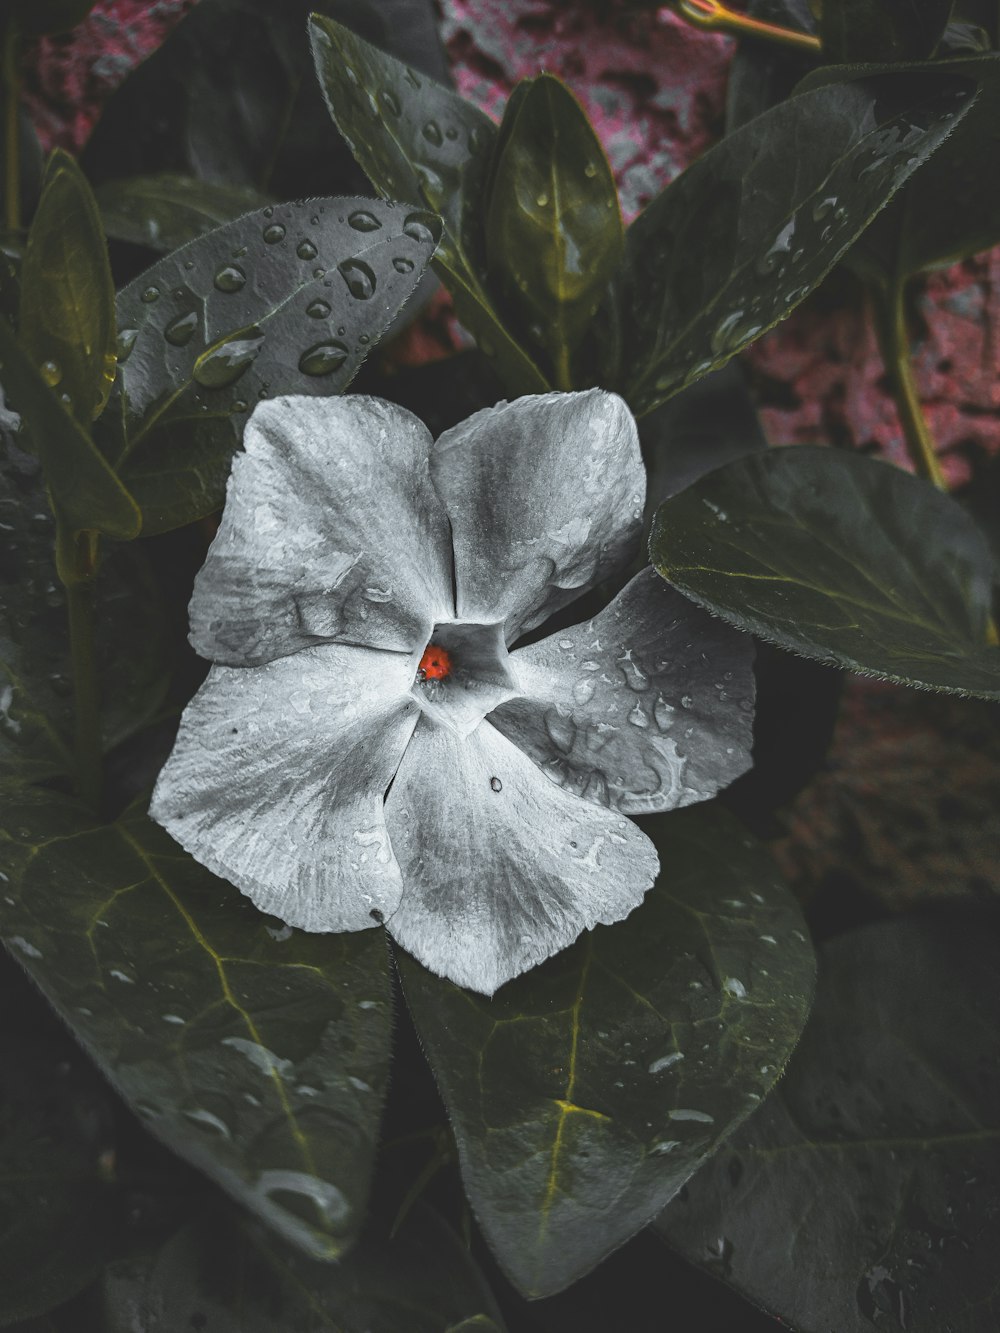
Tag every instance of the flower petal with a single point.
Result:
(278, 777)
(646, 707)
(545, 498)
(501, 868)
(332, 531)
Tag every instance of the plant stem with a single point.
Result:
(713, 16)
(894, 344)
(76, 560)
(12, 124)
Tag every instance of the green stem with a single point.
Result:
(894, 344)
(77, 564)
(564, 376)
(12, 124)
(714, 17)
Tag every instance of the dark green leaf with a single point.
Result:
(257, 1052)
(286, 300)
(840, 558)
(236, 1281)
(44, 16)
(553, 230)
(82, 485)
(739, 239)
(863, 1193)
(36, 716)
(168, 210)
(881, 29)
(950, 209)
(67, 313)
(57, 1221)
(586, 1093)
(421, 142)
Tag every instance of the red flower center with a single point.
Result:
(435, 663)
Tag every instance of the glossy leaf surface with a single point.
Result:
(840, 558)
(586, 1092)
(57, 1218)
(862, 1194)
(420, 142)
(237, 1281)
(167, 210)
(738, 240)
(82, 484)
(67, 311)
(553, 228)
(256, 1052)
(285, 300)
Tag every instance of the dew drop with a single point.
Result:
(777, 255)
(230, 278)
(637, 717)
(306, 250)
(150, 295)
(125, 343)
(364, 221)
(663, 713)
(417, 229)
(180, 331)
(403, 265)
(432, 133)
(391, 102)
(317, 310)
(51, 373)
(665, 1062)
(359, 277)
(590, 171)
(542, 200)
(274, 233)
(323, 358)
(583, 692)
(223, 364)
(496, 784)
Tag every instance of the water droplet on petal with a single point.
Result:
(583, 692)
(496, 784)
(637, 717)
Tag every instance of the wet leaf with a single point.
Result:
(288, 299)
(881, 29)
(67, 311)
(256, 1052)
(233, 1280)
(950, 209)
(586, 1093)
(82, 484)
(840, 558)
(738, 240)
(871, 1167)
(58, 1222)
(553, 229)
(167, 210)
(421, 142)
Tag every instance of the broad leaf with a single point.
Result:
(421, 142)
(739, 239)
(167, 210)
(840, 558)
(950, 209)
(67, 312)
(257, 1052)
(863, 1192)
(881, 29)
(58, 1222)
(133, 658)
(233, 1280)
(82, 484)
(586, 1093)
(553, 226)
(288, 299)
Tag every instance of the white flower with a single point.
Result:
(366, 748)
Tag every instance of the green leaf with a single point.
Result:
(166, 210)
(586, 1093)
(258, 1053)
(58, 1223)
(881, 29)
(421, 142)
(950, 209)
(82, 484)
(133, 657)
(67, 312)
(288, 299)
(863, 1192)
(554, 230)
(236, 1281)
(739, 239)
(840, 558)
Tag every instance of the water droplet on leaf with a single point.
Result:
(223, 364)
(364, 221)
(180, 331)
(359, 277)
(230, 278)
(323, 358)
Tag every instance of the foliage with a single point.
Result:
(210, 1120)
